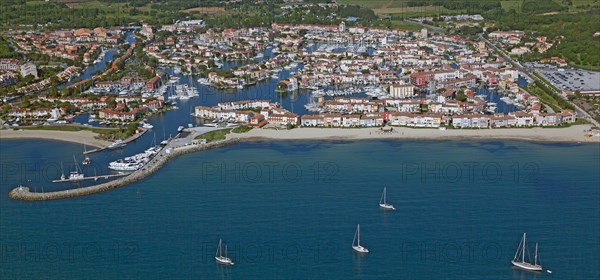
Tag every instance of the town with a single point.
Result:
(353, 76)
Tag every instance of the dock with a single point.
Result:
(94, 151)
(91, 178)
(172, 150)
(128, 140)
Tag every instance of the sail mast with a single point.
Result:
(524, 244)
(76, 165)
(358, 233)
(536, 254)
(518, 249)
(218, 249)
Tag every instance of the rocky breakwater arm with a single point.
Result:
(23, 193)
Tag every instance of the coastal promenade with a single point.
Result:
(167, 153)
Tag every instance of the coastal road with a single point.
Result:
(580, 112)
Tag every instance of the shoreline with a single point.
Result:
(84, 137)
(568, 134)
(574, 134)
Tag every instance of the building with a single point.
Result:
(8, 79)
(284, 119)
(402, 91)
(112, 114)
(9, 64)
(28, 69)
(342, 27)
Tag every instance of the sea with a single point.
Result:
(290, 209)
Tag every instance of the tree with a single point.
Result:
(25, 103)
(111, 103)
(460, 96)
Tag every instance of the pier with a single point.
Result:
(94, 151)
(167, 153)
(90, 178)
(126, 141)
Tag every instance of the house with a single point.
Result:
(258, 120)
(568, 116)
(284, 119)
(501, 120)
(427, 120)
(471, 121)
(372, 119)
(153, 83)
(332, 120)
(551, 119)
(351, 120)
(313, 120)
(523, 118)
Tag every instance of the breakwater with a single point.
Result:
(166, 154)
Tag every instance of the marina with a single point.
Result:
(171, 150)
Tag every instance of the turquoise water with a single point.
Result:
(288, 210)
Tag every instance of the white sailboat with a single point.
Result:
(519, 259)
(62, 175)
(357, 247)
(383, 201)
(219, 256)
(76, 175)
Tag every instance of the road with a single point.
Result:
(524, 71)
(434, 28)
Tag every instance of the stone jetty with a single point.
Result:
(166, 154)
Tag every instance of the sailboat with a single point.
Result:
(357, 247)
(519, 259)
(87, 160)
(62, 175)
(219, 256)
(383, 201)
(75, 175)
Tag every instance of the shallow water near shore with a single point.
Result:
(289, 209)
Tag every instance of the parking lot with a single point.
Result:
(571, 79)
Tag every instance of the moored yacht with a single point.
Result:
(117, 144)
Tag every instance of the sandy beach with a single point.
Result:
(570, 134)
(82, 137)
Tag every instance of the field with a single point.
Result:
(372, 4)
(406, 25)
(215, 135)
(512, 5)
(424, 10)
(205, 10)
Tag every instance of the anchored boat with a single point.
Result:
(358, 248)
(383, 201)
(219, 256)
(519, 259)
